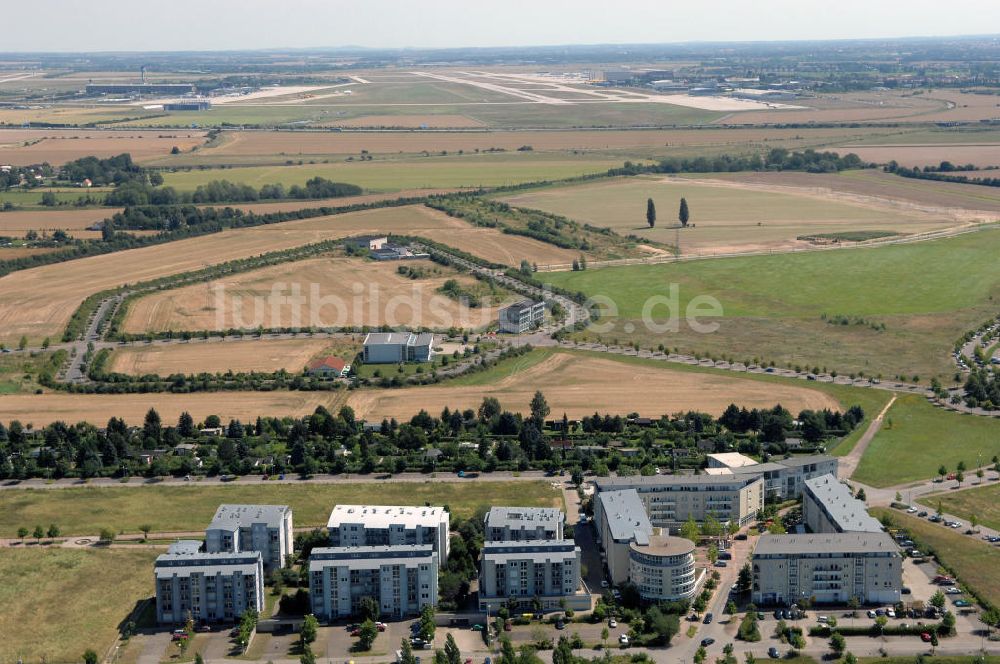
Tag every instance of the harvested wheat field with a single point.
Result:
(336, 292)
(39, 302)
(42, 409)
(928, 155)
(446, 121)
(57, 146)
(580, 384)
(18, 222)
(288, 206)
(218, 356)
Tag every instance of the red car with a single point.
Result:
(179, 636)
(381, 626)
(925, 637)
(356, 632)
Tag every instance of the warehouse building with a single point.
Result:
(519, 573)
(264, 528)
(619, 519)
(517, 524)
(210, 587)
(826, 569)
(395, 347)
(402, 578)
(173, 89)
(521, 317)
(374, 525)
(829, 507)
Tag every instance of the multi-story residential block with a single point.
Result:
(521, 317)
(515, 524)
(208, 587)
(264, 528)
(620, 518)
(826, 569)
(785, 478)
(662, 567)
(829, 507)
(520, 572)
(670, 500)
(375, 525)
(402, 578)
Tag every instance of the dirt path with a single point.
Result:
(849, 463)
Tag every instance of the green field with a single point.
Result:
(56, 603)
(85, 511)
(19, 373)
(917, 438)
(926, 294)
(982, 501)
(973, 561)
(32, 198)
(413, 173)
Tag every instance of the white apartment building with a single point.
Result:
(662, 567)
(210, 587)
(376, 525)
(619, 518)
(264, 528)
(521, 317)
(829, 507)
(826, 569)
(785, 478)
(515, 524)
(402, 578)
(523, 571)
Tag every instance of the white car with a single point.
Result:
(912, 510)
(890, 613)
(872, 614)
(953, 591)
(612, 623)
(623, 639)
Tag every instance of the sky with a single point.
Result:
(183, 25)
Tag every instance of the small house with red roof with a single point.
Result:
(329, 366)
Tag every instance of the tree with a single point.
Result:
(368, 609)
(838, 643)
(198, 659)
(974, 521)
(849, 658)
(860, 495)
(650, 212)
(937, 599)
(745, 579)
(366, 636)
(49, 199)
(309, 628)
(22, 532)
(960, 477)
(45, 343)
(145, 528)
(683, 215)
(151, 427)
(539, 408)
(23, 343)
(185, 425)
(689, 530)
(53, 531)
(38, 533)
(308, 657)
(107, 536)
(406, 652)
(451, 651)
(89, 657)
(664, 625)
(604, 635)
(713, 553)
(942, 471)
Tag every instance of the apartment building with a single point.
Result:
(521, 317)
(670, 500)
(619, 519)
(375, 525)
(829, 507)
(210, 587)
(785, 479)
(828, 568)
(521, 572)
(662, 567)
(264, 528)
(517, 524)
(402, 578)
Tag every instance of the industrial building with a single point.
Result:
(662, 567)
(827, 568)
(208, 587)
(829, 507)
(517, 524)
(402, 578)
(192, 105)
(173, 89)
(373, 525)
(521, 317)
(520, 573)
(619, 519)
(264, 528)
(395, 347)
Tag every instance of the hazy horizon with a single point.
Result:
(68, 26)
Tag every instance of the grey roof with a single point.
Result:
(795, 461)
(423, 339)
(535, 549)
(522, 304)
(846, 512)
(635, 481)
(384, 516)
(523, 517)
(170, 564)
(826, 544)
(624, 514)
(187, 547)
(758, 469)
(385, 338)
(231, 517)
(373, 556)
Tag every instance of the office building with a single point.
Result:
(395, 347)
(402, 578)
(377, 525)
(521, 317)
(264, 528)
(662, 567)
(208, 587)
(521, 572)
(516, 524)
(829, 507)
(827, 568)
(619, 519)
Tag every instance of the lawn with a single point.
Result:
(19, 373)
(926, 294)
(85, 511)
(917, 438)
(411, 173)
(973, 561)
(983, 501)
(56, 603)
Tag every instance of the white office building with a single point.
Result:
(521, 317)
(395, 347)
(208, 587)
(520, 572)
(264, 528)
(516, 524)
(378, 525)
(402, 578)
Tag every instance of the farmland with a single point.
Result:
(726, 217)
(85, 511)
(983, 501)
(348, 292)
(39, 302)
(579, 384)
(263, 355)
(918, 438)
(981, 155)
(34, 146)
(50, 607)
(773, 306)
(19, 222)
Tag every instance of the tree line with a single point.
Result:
(940, 173)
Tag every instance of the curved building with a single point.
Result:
(662, 567)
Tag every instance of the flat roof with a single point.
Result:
(825, 544)
(383, 516)
(371, 557)
(733, 459)
(537, 549)
(187, 547)
(663, 545)
(231, 517)
(847, 512)
(171, 564)
(399, 338)
(523, 517)
(794, 461)
(618, 483)
(625, 514)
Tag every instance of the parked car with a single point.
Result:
(872, 614)
(922, 513)
(708, 618)
(612, 622)
(707, 642)
(381, 626)
(963, 603)
(560, 624)
(773, 653)
(925, 637)
(890, 613)
(953, 591)
(623, 639)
